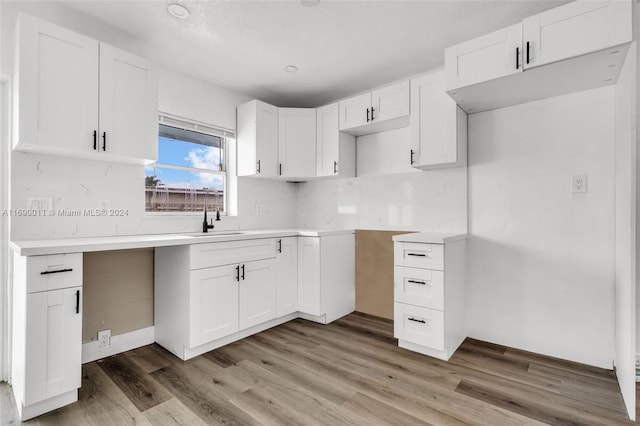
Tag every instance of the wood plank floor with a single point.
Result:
(350, 372)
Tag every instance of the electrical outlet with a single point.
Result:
(579, 183)
(104, 204)
(39, 203)
(258, 209)
(104, 339)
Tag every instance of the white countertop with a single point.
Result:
(75, 245)
(429, 237)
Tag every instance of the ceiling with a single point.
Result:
(340, 47)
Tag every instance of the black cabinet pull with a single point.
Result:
(243, 272)
(411, 157)
(527, 53)
(417, 320)
(416, 254)
(95, 140)
(280, 169)
(77, 301)
(238, 273)
(517, 58)
(56, 272)
(372, 109)
(368, 115)
(417, 282)
(104, 141)
(279, 246)
(258, 167)
(335, 167)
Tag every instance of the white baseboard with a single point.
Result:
(119, 343)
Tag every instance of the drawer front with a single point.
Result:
(225, 253)
(422, 326)
(418, 255)
(419, 287)
(54, 272)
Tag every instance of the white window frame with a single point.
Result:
(208, 129)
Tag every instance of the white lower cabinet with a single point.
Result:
(47, 332)
(429, 295)
(287, 276)
(257, 292)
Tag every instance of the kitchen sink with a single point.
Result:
(213, 234)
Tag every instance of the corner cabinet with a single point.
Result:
(326, 277)
(257, 139)
(47, 332)
(429, 294)
(438, 125)
(335, 150)
(77, 97)
(296, 143)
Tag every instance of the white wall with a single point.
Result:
(79, 184)
(541, 259)
(390, 196)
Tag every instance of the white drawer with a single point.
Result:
(419, 255)
(216, 254)
(422, 326)
(54, 272)
(419, 287)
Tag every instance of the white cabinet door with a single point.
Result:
(491, 56)
(309, 294)
(575, 29)
(390, 102)
(355, 111)
(128, 105)
(257, 292)
(335, 151)
(257, 139)
(287, 275)
(213, 302)
(438, 125)
(56, 88)
(297, 142)
(53, 343)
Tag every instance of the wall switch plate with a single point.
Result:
(104, 204)
(258, 209)
(579, 183)
(104, 339)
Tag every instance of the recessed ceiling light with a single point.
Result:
(309, 3)
(291, 68)
(178, 11)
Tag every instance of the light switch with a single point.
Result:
(579, 183)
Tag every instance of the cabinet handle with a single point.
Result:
(411, 157)
(104, 141)
(238, 273)
(372, 109)
(368, 115)
(335, 167)
(421, 321)
(56, 272)
(417, 282)
(416, 254)
(258, 167)
(527, 53)
(77, 301)
(243, 272)
(279, 246)
(517, 58)
(280, 169)
(95, 140)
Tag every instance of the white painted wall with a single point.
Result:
(541, 258)
(625, 214)
(387, 194)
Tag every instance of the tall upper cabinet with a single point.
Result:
(257, 139)
(577, 46)
(79, 97)
(335, 150)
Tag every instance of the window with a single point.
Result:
(190, 170)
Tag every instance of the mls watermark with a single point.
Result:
(66, 212)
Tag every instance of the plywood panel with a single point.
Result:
(374, 272)
(118, 291)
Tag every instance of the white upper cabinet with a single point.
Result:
(493, 55)
(335, 150)
(382, 109)
(583, 44)
(575, 29)
(438, 125)
(78, 97)
(296, 142)
(257, 139)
